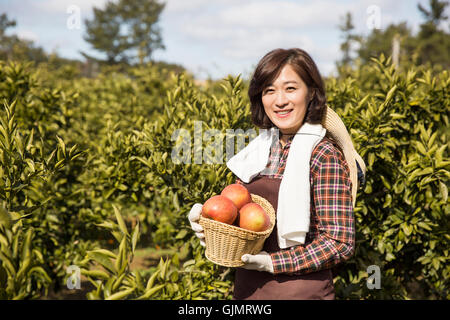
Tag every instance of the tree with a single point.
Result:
(433, 44)
(6, 41)
(126, 31)
(14, 48)
(347, 27)
(5, 23)
(433, 17)
(380, 41)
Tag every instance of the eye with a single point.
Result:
(291, 88)
(267, 91)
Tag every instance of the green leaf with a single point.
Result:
(105, 252)
(135, 237)
(102, 259)
(25, 265)
(62, 146)
(118, 282)
(431, 141)
(121, 261)
(390, 94)
(388, 201)
(72, 150)
(31, 165)
(389, 256)
(40, 271)
(120, 221)
(50, 157)
(176, 203)
(8, 264)
(3, 240)
(26, 247)
(121, 294)
(435, 263)
(95, 274)
(407, 229)
(5, 218)
(442, 164)
(419, 172)
(107, 224)
(151, 292)
(151, 280)
(60, 164)
(118, 235)
(108, 285)
(371, 159)
(424, 225)
(162, 267)
(421, 148)
(181, 234)
(92, 296)
(443, 190)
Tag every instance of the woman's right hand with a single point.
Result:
(194, 217)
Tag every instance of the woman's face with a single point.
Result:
(285, 101)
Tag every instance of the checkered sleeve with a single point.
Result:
(335, 238)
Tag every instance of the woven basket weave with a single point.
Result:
(225, 244)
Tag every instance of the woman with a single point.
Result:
(287, 97)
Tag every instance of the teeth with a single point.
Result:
(283, 112)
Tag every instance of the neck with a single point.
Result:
(284, 138)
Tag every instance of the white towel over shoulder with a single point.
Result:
(293, 212)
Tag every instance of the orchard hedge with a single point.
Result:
(121, 158)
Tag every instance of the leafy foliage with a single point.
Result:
(125, 30)
(94, 169)
(399, 128)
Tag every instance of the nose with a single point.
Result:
(281, 99)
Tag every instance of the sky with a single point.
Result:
(214, 38)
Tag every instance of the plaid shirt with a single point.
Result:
(331, 236)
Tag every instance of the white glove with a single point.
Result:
(261, 262)
(194, 216)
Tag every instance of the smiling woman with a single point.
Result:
(304, 174)
(285, 101)
(286, 90)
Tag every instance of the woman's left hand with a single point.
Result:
(261, 262)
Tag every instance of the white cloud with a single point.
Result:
(245, 32)
(263, 41)
(206, 31)
(284, 14)
(60, 6)
(182, 5)
(177, 6)
(27, 35)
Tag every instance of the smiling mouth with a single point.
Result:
(283, 113)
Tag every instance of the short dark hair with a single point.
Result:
(268, 69)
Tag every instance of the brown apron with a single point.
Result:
(259, 285)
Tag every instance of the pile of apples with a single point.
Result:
(234, 206)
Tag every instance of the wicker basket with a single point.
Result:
(225, 244)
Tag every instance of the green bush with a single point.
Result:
(399, 125)
(85, 160)
(26, 166)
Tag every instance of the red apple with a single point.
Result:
(238, 194)
(253, 217)
(220, 208)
